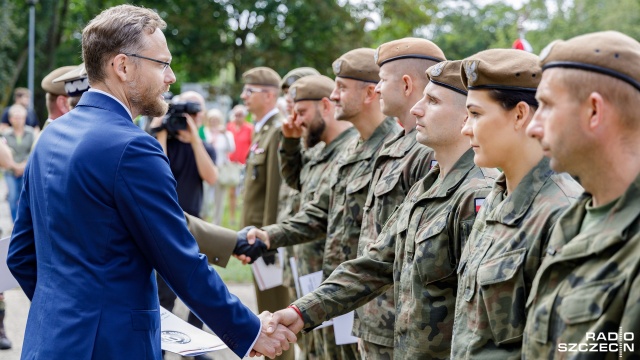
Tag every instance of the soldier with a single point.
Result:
(585, 295)
(326, 138)
(75, 84)
(419, 247)
(511, 231)
(337, 207)
(400, 164)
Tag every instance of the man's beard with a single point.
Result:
(147, 101)
(315, 131)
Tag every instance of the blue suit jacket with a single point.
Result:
(98, 213)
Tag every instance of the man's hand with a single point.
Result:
(245, 252)
(291, 128)
(256, 233)
(287, 317)
(274, 342)
(190, 134)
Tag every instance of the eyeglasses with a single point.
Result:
(166, 64)
(249, 91)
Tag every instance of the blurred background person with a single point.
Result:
(242, 132)
(21, 96)
(222, 141)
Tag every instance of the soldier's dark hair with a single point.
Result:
(508, 99)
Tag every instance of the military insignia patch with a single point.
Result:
(292, 92)
(376, 56)
(545, 52)
(336, 67)
(436, 70)
(432, 164)
(471, 69)
(478, 203)
(259, 151)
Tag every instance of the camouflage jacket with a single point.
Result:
(417, 251)
(500, 260)
(587, 289)
(337, 205)
(306, 171)
(400, 164)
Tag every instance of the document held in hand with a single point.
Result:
(269, 276)
(184, 339)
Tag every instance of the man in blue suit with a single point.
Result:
(99, 212)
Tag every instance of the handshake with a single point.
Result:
(277, 332)
(249, 247)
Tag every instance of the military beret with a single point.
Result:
(261, 76)
(296, 74)
(408, 48)
(58, 88)
(503, 69)
(447, 74)
(75, 81)
(312, 87)
(357, 64)
(606, 52)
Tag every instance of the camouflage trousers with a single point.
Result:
(372, 351)
(326, 348)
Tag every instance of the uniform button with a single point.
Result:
(217, 259)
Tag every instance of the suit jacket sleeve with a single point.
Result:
(274, 179)
(214, 241)
(21, 258)
(150, 211)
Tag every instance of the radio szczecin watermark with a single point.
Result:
(602, 342)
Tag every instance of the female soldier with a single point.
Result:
(509, 236)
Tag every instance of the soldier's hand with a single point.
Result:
(249, 252)
(288, 317)
(256, 233)
(291, 128)
(271, 343)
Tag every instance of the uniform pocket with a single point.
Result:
(502, 288)
(589, 301)
(359, 183)
(145, 320)
(387, 183)
(432, 254)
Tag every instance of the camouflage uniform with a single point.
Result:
(400, 164)
(589, 282)
(337, 208)
(500, 260)
(417, 251)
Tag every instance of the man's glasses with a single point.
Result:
(166, 64)
(249, 91)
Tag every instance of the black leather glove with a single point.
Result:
(244, 248)
(269, 257)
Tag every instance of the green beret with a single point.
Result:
(296, 74)
(261, 76)
(57, 88)
(357, 64)
(447, 74)
(503, 69)
(75, 81)
(408, 48)
(607, 52)
(312, 87)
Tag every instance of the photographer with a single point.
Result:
(191, 162)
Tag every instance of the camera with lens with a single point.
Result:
(175, 120)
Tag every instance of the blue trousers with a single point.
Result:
(14, 187)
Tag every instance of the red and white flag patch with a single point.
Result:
(478, 203)
(432, 163)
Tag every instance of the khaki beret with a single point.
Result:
(261, 76)
(296, 74)
(57, 88)
(75, 81)
(607, 52)
(447, 74)
(357, 64)
(408, 48)
(312, 87)
(503, 69)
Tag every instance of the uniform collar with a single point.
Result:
(264, 119)
(369, 147)
(452, 180)
(335, 144)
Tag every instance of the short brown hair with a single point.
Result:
(620, 94)
(116, 30)
(20, 92)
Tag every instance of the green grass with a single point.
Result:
(235, 272)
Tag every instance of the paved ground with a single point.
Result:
(18, 305)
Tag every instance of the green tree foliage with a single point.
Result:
(9, 51)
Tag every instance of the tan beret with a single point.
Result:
(607, 52)
(296, 74)
(504, 69)
(408, 48)
(261, 76)
(357, 64)
(447, 74)
(312, 87)
(57, 88)
(75, 81)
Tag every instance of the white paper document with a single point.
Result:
(308, 283)
(268, 276)
(294, 273)
(342, 326)
(7, 281)
(184, 339)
